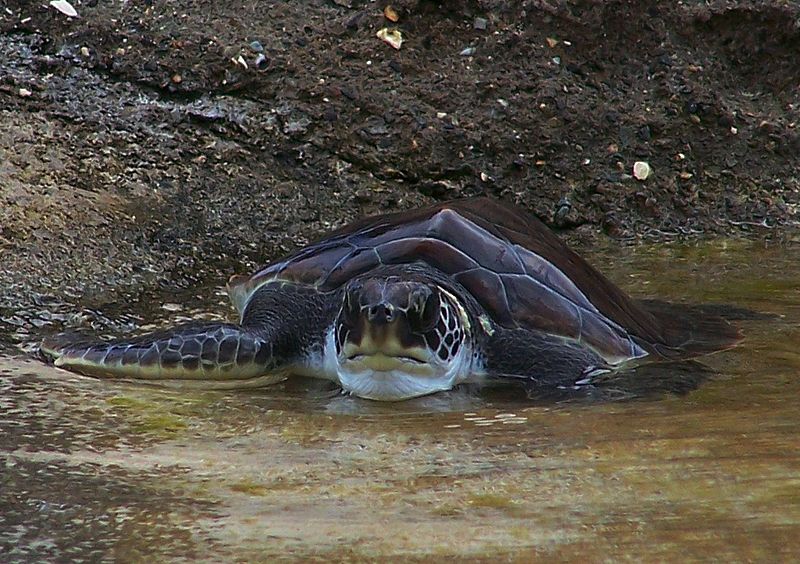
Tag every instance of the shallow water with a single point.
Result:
(94, 469)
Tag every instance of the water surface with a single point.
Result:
(97, 469)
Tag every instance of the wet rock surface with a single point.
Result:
(152, 146)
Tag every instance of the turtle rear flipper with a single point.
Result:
(690, 330)
(208, 351)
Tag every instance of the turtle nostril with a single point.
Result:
(381, 313)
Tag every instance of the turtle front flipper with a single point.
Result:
(542, 359)
(203, 352)
(283, 331)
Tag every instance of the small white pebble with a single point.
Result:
(391, 37)
(65, 8)
(641, 170)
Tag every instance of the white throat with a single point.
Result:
(390, 378)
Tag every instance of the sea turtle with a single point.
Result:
(411, 303)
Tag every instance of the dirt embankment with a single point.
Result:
(151, 144)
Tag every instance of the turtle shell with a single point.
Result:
(513, 265)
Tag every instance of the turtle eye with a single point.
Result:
(425, 315)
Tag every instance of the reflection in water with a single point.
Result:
(94, 469)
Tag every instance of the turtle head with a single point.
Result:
(398, 338)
